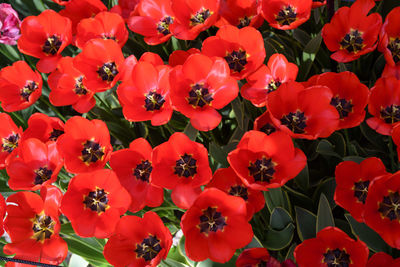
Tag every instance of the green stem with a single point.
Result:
(346, 136)
(391, 153)
(44, 100)
(167, 208)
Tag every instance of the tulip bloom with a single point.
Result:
(199, 87)
(215, 226)
(268, 78)
(44, 128)
(67, 87)
(351, 33)
(45, 40)
(139, 242)
(105, 25)
(10, 136)
(352, 183)
(146, 96)
(134, 169)
(303, 112)
(350, 96)
(331, 247)
(266, 161)
(228, 181)
(37, 164)
(9, 25)
(243, 49)
(381, 208)
(20, 86)
(33, 226)
(100, 62)
(384, 105)
(85, 146)
(94, 203)
(153, 21)
(389, 38)
(181, 165)
(286, 14)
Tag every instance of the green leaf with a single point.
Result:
(356, 159)
(67, 229)
(327, 187)
(313, 45)
(301, 36)
(324, 215)
(172, 263)
(176, 255)
(339, 144)
(325, 148)
(289, 254)
(86, 250)
(209, 263)
(367, 235)
(218, 154)
(279, 219)
(238, 110)
(275, 197)
(255, 243)
(303, 179)
(306, 222)
(277, 240)
(191, 132)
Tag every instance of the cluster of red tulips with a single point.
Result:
(116, 190)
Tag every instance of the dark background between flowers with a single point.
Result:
(292, 213)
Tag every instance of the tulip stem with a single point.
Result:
(391, 153)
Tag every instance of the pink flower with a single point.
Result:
(9, 25)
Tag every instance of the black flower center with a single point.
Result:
(273, 85)
(96, 200)
(28, 89)
(262, 170)
(211, 220)
(149, 248)
(92, 152)
(200, 17)
(80, 89)
(394, 47)
(10, 143)
(52, 45)
(295, 121)
(343, 106)
(352, 41)
(55, 134)
(43, 227)
(337, 258)
(243, 22)
(163, 25)
(236, 60)
(239, 191)
(390, 206)
(199, 96)
(107, 36)
(143, 171)
(390, 114)
(42, 175)
(153, 101)
(268, 128)
(286, 16)
(361, 190)
(186, 166)
(108, 71)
